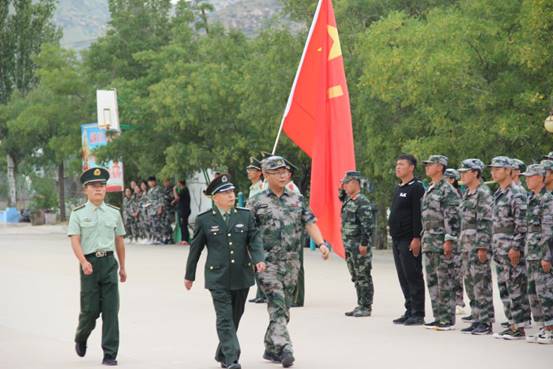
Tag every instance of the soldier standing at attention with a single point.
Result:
(475, 242)
(156, 211)
(255, 175)
(440, 228)
(548, 179)
(96, 231)
(357, 232)
(453, 177)
(233, 248)
(539, 218)
(281, 216)
(509, 233)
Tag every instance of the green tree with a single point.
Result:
(25, 25)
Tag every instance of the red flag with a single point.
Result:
(318, 120)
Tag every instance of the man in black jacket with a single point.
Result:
(405, 228)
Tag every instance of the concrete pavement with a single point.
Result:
(164, 326)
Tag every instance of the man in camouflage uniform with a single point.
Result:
(518, 167)
(440, 228)
(168, 216)
(281, 217)
(143, 216)
(539, 217)
(128, 203)
(357, 231)
(548, 179)
(452, 176)
(509, 232)
(156, 209)
(475, 243)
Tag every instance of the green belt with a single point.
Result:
(506, 230)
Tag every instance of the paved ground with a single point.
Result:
(163, 326)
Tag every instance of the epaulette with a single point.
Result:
(79, 207)
(204, 212)
(113, 207)
(241, 208)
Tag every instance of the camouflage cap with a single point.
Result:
(471, 164)
(501, 162)
(549, 156)
(519, 164)
(436, 159)
(274, 162)
(452, 173)
(534, 170)
(350, 175)
(547, 164)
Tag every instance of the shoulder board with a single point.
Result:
(204, 212)
(242, 209)
(79, 207)
(113, 207)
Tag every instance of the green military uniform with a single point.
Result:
(233, 248)
(97, 227)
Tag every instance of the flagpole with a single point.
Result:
(291, 96)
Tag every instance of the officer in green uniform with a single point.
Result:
(96, 231)
(234, 246)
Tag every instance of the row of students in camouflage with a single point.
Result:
(513, 226)
(148, 212)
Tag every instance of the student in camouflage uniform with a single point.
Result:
(452, 176)
(357, 231)
(475, 243)
(539, 217)
(548, 166)
(440, 228)
(509, 232)
(518, 168)
(144, 218)
(281, 217)
(168, 216)
(156, 211)
(128, 201)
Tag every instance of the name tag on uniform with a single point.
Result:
(403, 194)
(214, 228)
(240, 225)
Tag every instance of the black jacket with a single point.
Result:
(405, 212)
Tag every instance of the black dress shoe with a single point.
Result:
(261, 300)
(234, 366)
(109, 361)
(414, 320)
(401, 319)
(287, 359)
(254, 300)
(80, 348)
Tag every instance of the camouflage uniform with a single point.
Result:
(476, 234)
(440, 223)
(155, 198)
(128, 204)
(539, 217)
(509, 231)
(143, 216)
(357, 230)
(168, 216)
(281, 222)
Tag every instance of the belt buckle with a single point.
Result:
(101, 253)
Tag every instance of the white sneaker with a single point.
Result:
(545, 337)
(459, 310)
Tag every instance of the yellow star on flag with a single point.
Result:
(336, 50)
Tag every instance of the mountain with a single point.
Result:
(83, 21)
